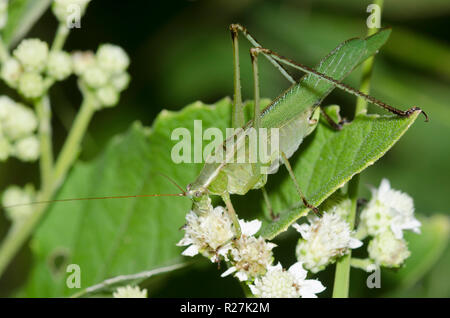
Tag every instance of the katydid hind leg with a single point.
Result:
(237, 119)
(297, 186)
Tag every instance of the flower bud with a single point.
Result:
(11, 71)
(59, 65)
(112, 58)
(108, 96)
(32, 54)
(130, 292)
(82, 61)
(14, 195)
(387, 250)
(17, 121)
(95, 77)
(120, 81)
(27, 149)
(31, 85)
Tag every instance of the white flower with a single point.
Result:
(11, 71)
(17, 121)
(209, 234)
(82, 61)
(32, 54)
(95, 77)
(278, 283)
(62, 9)
(107, 95)
(250, 256)
(120, 81)
(387, 250)
(130, 292)
(323, 241)
(27, 149)
(389, 208)
(31, 85)
(112, 58)
(59, 65)
(15, 195)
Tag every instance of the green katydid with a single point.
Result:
(295, 113)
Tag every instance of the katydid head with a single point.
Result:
(195, 193)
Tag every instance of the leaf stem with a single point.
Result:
(60, 37)
(46, 159)
(342, 274)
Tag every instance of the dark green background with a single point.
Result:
(181, 52)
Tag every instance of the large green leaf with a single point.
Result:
(329, 160)
(22, 14)
(124, 236)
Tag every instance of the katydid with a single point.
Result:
(295, 113)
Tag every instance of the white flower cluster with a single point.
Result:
(33, 68)
(18, 124)
(385, 217)
(14, 195)
(324, 240)
(103, 73)
(130, 292)
(212, 234)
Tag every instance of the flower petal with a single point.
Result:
(229, 271)
(190, 251)
(297, 271)
(250, 228)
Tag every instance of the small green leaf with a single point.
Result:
(22, 14)
(328, 160)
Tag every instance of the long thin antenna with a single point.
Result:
(172, 181)
(351, 90)
(99, 198)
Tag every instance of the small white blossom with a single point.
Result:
(279, 283)
(59, 65)
(82, 61)
(32, 54)
(14, 195)
(250, 256)
(387, 250)
(11, 72)
(130, 292)
(112, 58)
(17, 121)
(120, 81)
(107, 96)
(27, 149)
(323, 241)
(209, 234)
(389, 209)
(31, 85)
(95, 77)
(62, 9)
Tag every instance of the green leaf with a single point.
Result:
(22, 14)
(328, 160)
(107, 238)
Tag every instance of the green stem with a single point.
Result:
(18, 235)
(46, 159)
(60, 37)
(4, 54)
(342, 274)
(72, 145)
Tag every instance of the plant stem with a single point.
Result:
(46, 159)
(4, 54)
(60, 37)
(18, 235)
(342, 274)
(72, 144)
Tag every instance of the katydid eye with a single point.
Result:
(197, 194)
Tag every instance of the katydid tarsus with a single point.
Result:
(295, 120)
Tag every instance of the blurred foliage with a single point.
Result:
(181, 52)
